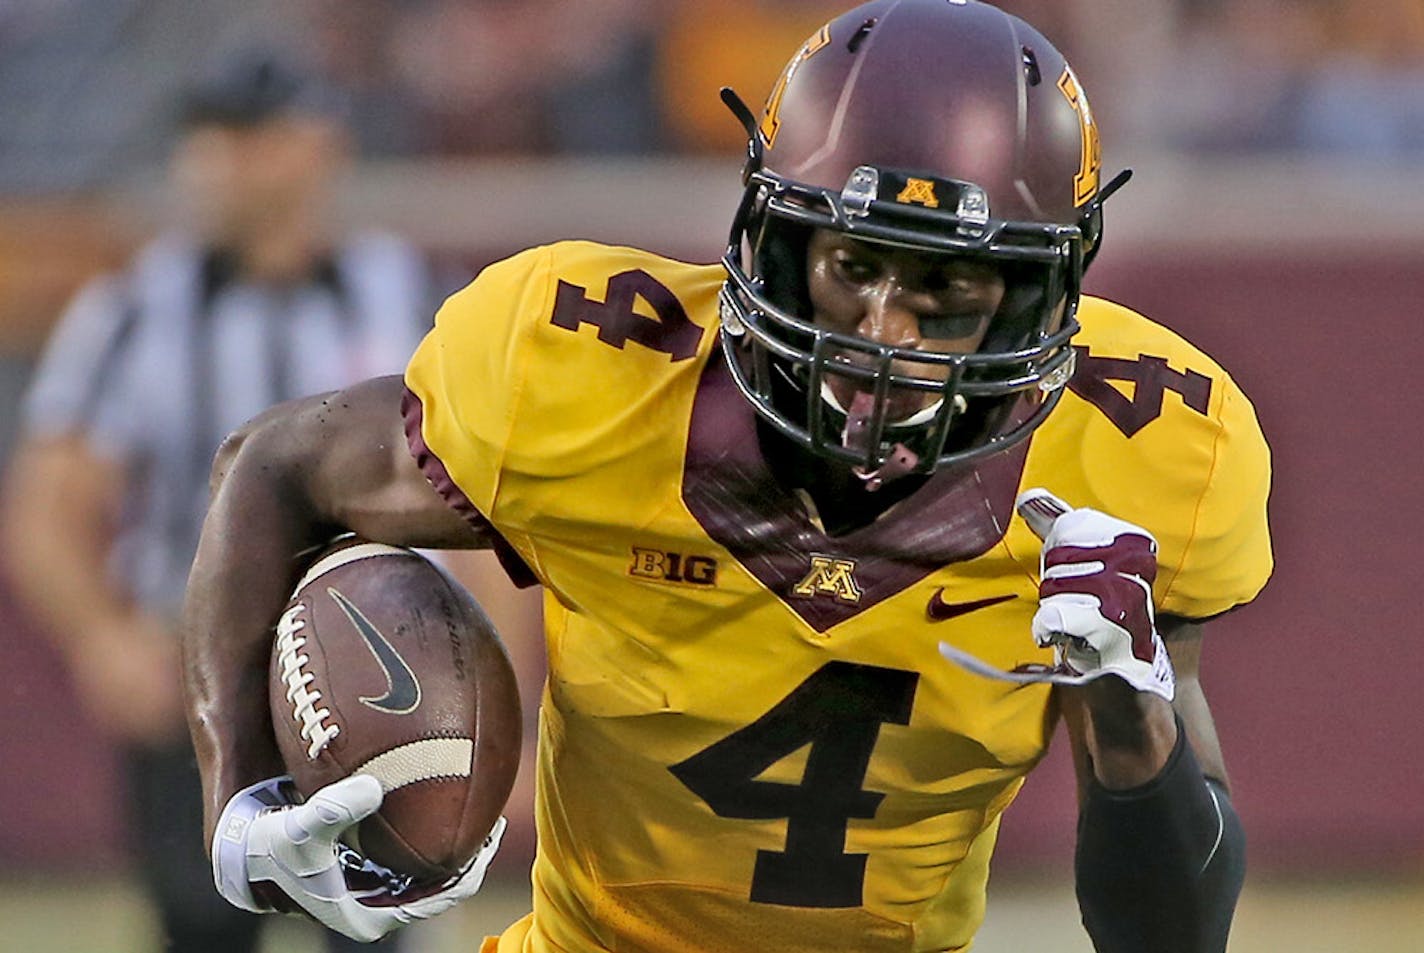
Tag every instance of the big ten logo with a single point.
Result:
(667, 566)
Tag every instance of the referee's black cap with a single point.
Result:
(253, 86)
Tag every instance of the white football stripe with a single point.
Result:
(421, 761)
(348, 555)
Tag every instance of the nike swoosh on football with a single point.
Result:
(938, 610)
(402, 690)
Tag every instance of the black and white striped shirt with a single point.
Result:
(155, 365)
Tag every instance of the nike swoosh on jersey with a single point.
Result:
(938, 610)
(402, 689)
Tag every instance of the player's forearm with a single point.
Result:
(1129, 734)
(236, 590)
(289, 481)
(1160, 866)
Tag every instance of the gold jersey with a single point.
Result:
(748, 738)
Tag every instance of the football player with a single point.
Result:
(824, 532)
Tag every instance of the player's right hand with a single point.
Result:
(263, 837)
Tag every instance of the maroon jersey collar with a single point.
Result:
(730, 489)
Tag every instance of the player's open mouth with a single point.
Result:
(905, 409)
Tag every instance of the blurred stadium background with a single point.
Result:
(1277, 218)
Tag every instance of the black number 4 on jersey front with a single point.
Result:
(838, 711)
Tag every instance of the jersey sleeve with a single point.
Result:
(1225, 560)
(466, 377)
(1156, 432)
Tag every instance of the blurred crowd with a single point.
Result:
(83, 83)
(87, 86)
(1318, 76)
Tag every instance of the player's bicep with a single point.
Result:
(344, 454)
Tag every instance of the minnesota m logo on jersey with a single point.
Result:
(829, 576)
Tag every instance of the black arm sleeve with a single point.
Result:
(1159, 867)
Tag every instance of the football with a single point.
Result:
(385, 665)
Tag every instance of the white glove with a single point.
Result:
(263, 835)
(1094, 601)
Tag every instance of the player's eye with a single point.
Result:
(854, 269)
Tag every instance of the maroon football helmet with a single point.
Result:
(944, 126)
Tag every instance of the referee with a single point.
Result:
(251, 300)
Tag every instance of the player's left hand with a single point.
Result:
(1095, 601)
(264, 839)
